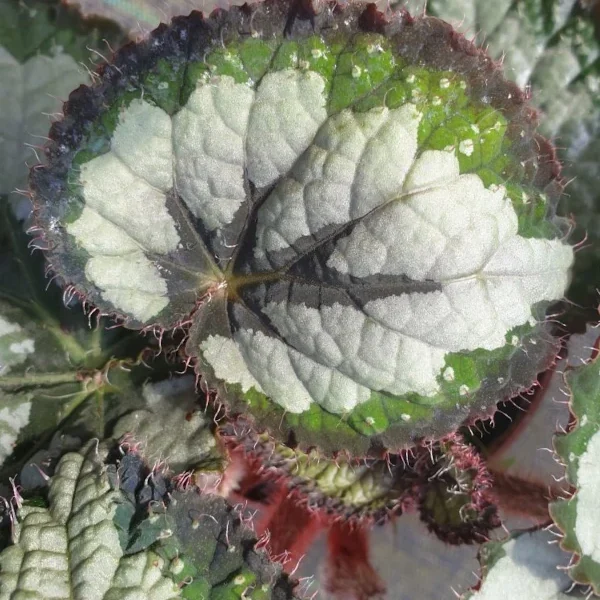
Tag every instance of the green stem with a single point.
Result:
(76, 402)
(13, 382)
(96, 340)
(75, 351)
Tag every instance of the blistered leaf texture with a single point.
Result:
(362, 239)
(120, 531)
(71, 549)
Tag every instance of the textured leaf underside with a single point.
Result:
(367, 239)
(447, 481)
(370, 488)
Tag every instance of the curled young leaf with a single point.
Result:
(354, 489)
(357, 216)
(456, 500)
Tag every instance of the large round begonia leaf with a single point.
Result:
(356, 215)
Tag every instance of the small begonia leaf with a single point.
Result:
(357, 217)
(81, 543)
(171, 429)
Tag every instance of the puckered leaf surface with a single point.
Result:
(119, 531)
(71, 548)
(360, 222)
